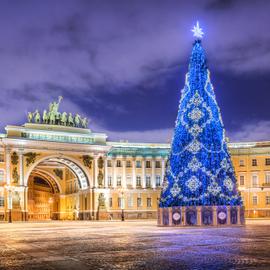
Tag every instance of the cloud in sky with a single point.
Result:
(95, 52)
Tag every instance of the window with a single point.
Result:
(139, 202)
(158, 180)
(118, 181)
(2, 173)
(110, 202)
(109, 181)
(158, 164)
(138, 164)
(128, 164)
(148, 164)
(254, 200)
(267, 161)
(267, 178)
(2, 158)
(138, 181)
(148, 181)
(267, 201)
(242, 180)
(118, 163)
(109, 163)
(254, 162)
(119, 202)
(129, 180)
(255, 180)
(130, 201)
(149, 202)
(241, 163)
(2, 201)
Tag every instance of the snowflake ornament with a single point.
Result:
(214, 189)
(228, 183)
(175, 190)
(196, 114)
(193, 183)
(194, 164)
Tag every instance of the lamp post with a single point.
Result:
(122, 205)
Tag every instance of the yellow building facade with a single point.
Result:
(66, 173)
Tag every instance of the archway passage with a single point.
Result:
(42, 199)
(53, 190)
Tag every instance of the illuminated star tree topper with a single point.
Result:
(197, 31)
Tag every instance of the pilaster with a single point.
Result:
(238, 215)
(114, 184)
(21, 164)
(95, 171)
(143, 173)
(228, 215)
(134, 173)
(199, 215)
(124, 182)
(153, 173)
(214, 215)
(8, 166)
(105, 172)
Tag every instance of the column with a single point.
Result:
(143, 173)
(8, 166)
(124, 181)
(215, 216)
(95, 171)
(170, 217)
(153, 173)
(238, 215)
(105, 172)
(26, 203)
(183, 215)
(114, 184)
(228, 215)
(134, 173)
(21, 168)
(199, 215)
(162, 169)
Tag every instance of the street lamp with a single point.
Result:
(122, 205)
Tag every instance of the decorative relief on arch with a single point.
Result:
(87, 161)
(30, 158)
(83, 181)
(58, 173)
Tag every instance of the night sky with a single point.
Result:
(122, 63)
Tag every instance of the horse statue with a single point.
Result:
(45, 117)
(64, 119)
(77, 120)
(30, 117)
(70, 120)
(37, 117)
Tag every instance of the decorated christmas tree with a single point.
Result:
(199, 170)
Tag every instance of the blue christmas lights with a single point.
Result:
(199, 170)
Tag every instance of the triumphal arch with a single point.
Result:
(55, 167)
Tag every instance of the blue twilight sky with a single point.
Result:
(122, 63)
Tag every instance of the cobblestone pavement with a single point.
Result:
(132, 245)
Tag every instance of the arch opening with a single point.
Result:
(53, 185)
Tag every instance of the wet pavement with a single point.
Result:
(132, 245)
